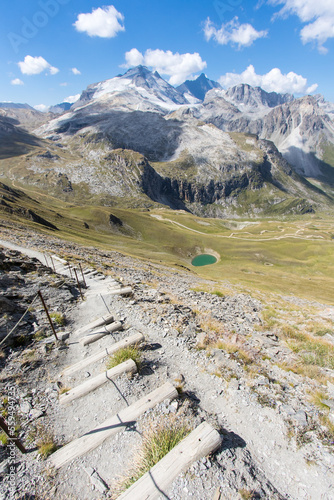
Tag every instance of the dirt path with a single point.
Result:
(256, 455)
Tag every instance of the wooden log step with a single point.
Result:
(202, 441)
(127, 290)
(112, 425)
(88, 271)
(59, 259)
(136, 338)
(101, 332)
(104, 320)
(90, 385)
(92, 273)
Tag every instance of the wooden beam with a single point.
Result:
(127, 290)
(104, 320)
(136, 338)
(101, 332)
(90, 385)
(125, 418)
(152, 485)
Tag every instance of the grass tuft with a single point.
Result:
(58, 318)
(158, 440)
(130, 352)
(4, 439)
(45, 448)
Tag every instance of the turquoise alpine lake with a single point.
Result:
(203, 260)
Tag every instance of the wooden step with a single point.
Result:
(152, 485)
(104, 320)
(112, 425)
(101, 332)
(136, 338)
(126, 290)
(59, 259)
(90, 385)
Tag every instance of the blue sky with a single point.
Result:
(53, 49)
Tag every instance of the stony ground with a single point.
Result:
(218, 348)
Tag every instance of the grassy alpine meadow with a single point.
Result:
(292, 255)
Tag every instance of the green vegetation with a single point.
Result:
(3, 439)
(292, 255)
(130, 352)
(158, 440)
(46, 445)
(58, 318)
(64, 390)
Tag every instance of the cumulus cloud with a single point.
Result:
(273, 81)
(104, 22)
(133, 58)
(42, 107)
(17, 81)
(75, 71)
(177, 66)
(72, 98)
(242, 35)
(317, 15)
(35, 65)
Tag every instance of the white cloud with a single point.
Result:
(72, 98)
(35, 65)
(42, 107)
(63, 84)
(177, 66)
(103, 22)
(318, 14)
(133, 58)
(273, 81)
(75, 71)
(242, 35)
(17, 81)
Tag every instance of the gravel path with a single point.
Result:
(257, 456)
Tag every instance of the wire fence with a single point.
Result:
(17, 324)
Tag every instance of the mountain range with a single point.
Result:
(135, 140)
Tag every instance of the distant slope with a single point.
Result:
(14, 141)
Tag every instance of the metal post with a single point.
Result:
(47, 313)
(15, 439)
(75, 271)
(46, 260)
(82, 274)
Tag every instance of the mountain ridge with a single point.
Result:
(208, 157)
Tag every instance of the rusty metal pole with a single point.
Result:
(46, 260)
(15, 439)
(75, 271)
(47, 313)
(82, 274)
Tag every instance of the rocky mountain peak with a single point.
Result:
(198, 88)
(255, 97)
(137, 83)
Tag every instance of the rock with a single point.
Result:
(25, 407)
(4, 467)
(300, 418)
(330, 389)
(34, 414)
